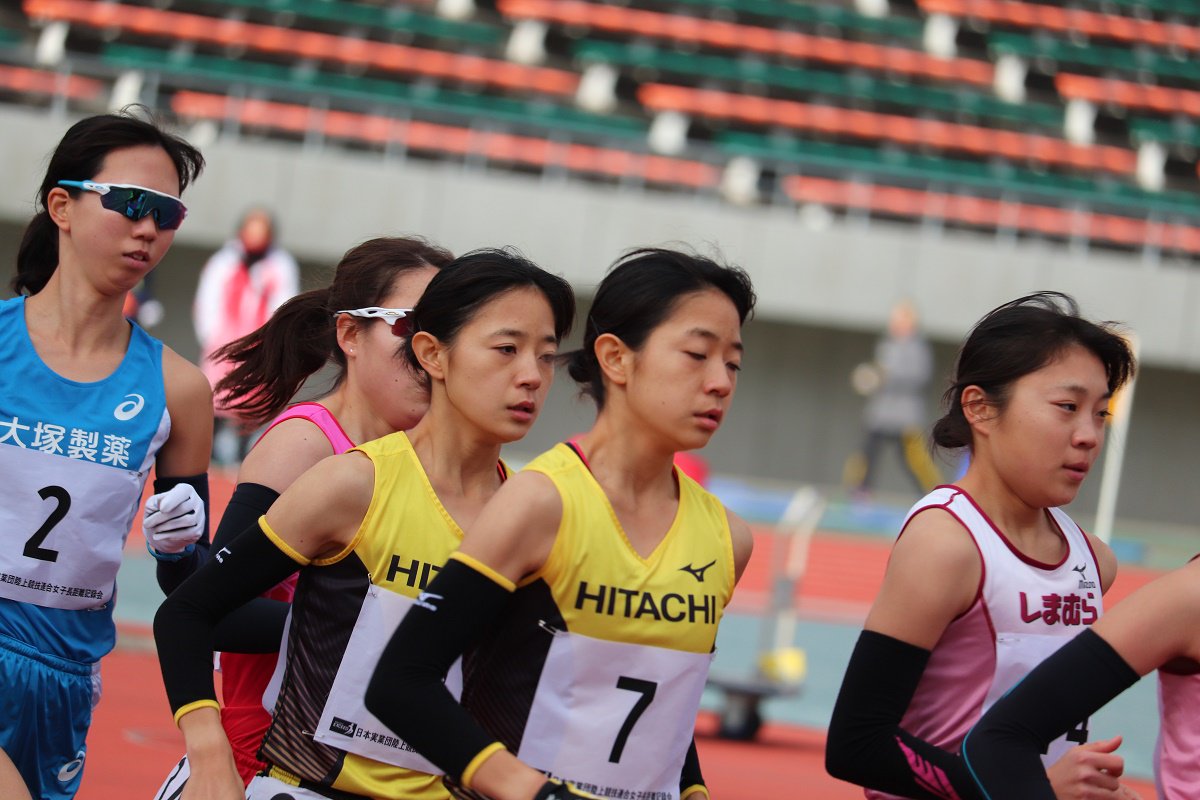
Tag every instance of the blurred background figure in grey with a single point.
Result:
(240, 286)
(895, 385)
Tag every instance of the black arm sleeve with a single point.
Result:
(256, 627)
(172, 573)
(691, 774)
(866, 744)
(1003, 750)
(407, 692)
(185, 622)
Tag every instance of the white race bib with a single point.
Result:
(345, 722)
(64, 530)
(1016, 656)
(615, 719)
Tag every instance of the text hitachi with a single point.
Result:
(636, 604)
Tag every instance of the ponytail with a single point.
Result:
(272, 363)
(37, 257)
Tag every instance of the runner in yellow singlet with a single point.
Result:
(587, 594)
(368, 530)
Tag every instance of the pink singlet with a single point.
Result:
(244, 677)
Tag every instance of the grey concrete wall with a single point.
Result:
(824, 290)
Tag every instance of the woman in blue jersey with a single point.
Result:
(588, 593)
(367, 530)
(88, 403)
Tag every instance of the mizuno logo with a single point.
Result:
(130, 408)
(1084, 583)
(425, 601)
(224, 551)
(697, 572)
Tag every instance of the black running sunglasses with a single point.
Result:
(136, 202)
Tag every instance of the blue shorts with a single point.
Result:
(45, 710)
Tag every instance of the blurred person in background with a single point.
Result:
(240, 286)
(895, 384)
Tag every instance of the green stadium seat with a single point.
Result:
(1167, 132)
(837, 85)
(383, 18)
(836, 16)
(1123, 59)
(371, 91)
(924, 170)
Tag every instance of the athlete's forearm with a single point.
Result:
(866, 744)
(184, 625)
(256, 627)
(1003, 750)
(407, 692)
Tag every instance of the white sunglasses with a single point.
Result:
(389, 315)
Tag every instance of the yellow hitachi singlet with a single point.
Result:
(402, 543)
(596, 669)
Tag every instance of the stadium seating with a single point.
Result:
(421, 136)
(813, 102)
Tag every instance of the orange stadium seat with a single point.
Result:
(306, 44)
(734, 36)
(835, 121)
(36, 81)
(430, 137)
(989, 213)
(1128, 95)
(1074, 21)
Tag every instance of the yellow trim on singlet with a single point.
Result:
(484, 569)
(287, 549)
(476, 762)
(283, 776)
(696, 787)
(197, 704)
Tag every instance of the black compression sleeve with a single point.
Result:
(691, 774)
(866, 744)
(407, 692)
(184, 624)
(256, 627)
(1003, 750)
(249, 502)
(172, 573)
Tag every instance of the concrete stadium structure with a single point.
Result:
(825, 286)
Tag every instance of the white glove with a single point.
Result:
(174, 519)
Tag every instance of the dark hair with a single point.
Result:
(79, 156)
(463, 286)
(641, 290)
(1016, 339)
(272, 363)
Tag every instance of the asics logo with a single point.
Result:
(71, 768)
(130, 408)
(425, 601)
(697, 572)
